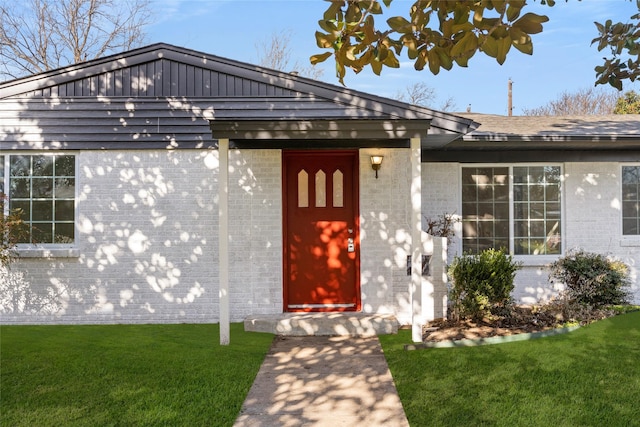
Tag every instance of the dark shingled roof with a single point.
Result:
(546, 127)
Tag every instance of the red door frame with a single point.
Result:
(355, 200)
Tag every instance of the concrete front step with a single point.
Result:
(323, 324)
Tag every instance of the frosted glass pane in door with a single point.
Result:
(338, 189)
(321, 189)
(303, 189)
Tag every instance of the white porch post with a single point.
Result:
(416, 242)
(223, 238)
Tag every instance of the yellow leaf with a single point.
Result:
(514, 8)
(447, 28)
(373, 7)
(421, 61)
(461, 13)
(499, 5)
(354, 13)
(462, 61)
(382, 53)
(485, 23)
(525, 47)
(434, 61)
(328, 25)
(332, 10)
(531, 23)
(391, 61)
(521, 40)
(399, 24)
(369, 27)
(350, 54)
(490, 47)
(462, 28)
(376, 66)
(499, 32)
(504, 44)
(324, 40)
(340, 72)
(412, 51)
(445, 58)
(321, 57)
(518, 36)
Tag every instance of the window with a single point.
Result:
(485, 208)
(517, 208)
(43, 187)
(631, 200)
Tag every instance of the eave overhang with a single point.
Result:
(545, 142)
(325, 129)
(538, 149)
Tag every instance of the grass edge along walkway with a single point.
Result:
(589, 377)
(142, 375)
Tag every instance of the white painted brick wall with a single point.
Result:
(256, 232)
(592, 222)
(147, 237)
(592, 219)
(385, 233)
(147, 242)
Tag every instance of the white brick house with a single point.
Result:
(131, 167)
(595, 163)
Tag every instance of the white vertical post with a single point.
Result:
(416, 241)
(223, 238)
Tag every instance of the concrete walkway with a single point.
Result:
(323, 381)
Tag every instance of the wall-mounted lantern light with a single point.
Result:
(376, 162)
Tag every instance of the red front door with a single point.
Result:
(321, 241)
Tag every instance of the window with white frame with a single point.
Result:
(42, 187)
(513, 207)
(631, 200)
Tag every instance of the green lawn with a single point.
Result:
(125, 375)
(589, 377)
(150, 375)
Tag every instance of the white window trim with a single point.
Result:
(626, 240)
(47, 250)
(527, 260)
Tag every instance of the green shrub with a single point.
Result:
(482, 283)
(592, 279)
(12, 231)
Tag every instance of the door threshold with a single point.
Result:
(317, 306)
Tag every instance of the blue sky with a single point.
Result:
(563, 58)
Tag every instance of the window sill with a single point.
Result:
(630, 241)
(39, 252)
(536, 260)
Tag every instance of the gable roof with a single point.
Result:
(240, 100)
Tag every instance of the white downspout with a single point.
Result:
(223, 238)
(415, 289)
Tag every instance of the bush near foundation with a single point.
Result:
(482, 283)
(592, 279)
(12, 230)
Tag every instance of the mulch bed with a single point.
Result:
(521, 319)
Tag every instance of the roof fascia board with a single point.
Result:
(530, 156)
(562, 142)
(319, 129)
